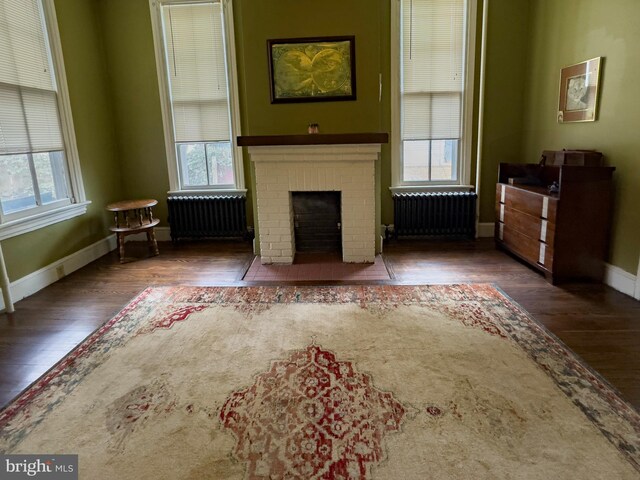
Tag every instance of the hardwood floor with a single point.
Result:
(598, 323)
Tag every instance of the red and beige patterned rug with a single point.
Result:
(358, 382)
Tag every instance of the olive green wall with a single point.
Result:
(259, 20)
(507, 44)
(91, 106)
(567, 32)
(111, 69)
(129, 46)
(134, 86)
(256, 21)
(126, 26)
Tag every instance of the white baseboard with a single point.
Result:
(163, 234)
(637, 292)
(621, 280)
(30, 284)
(486, 230)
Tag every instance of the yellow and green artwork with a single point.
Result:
(312, 69)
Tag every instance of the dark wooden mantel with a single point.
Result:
(312, 139)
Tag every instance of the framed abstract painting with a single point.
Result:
(312, 69)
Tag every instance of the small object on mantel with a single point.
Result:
(314, 128)
(317, 139)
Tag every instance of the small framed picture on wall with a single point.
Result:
(578, 99)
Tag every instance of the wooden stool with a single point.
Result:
(134, 216)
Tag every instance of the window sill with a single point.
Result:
(222, 192)
(430, 188)
(42, 219)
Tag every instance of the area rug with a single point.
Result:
(357, 382)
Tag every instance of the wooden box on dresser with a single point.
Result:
(564, 233)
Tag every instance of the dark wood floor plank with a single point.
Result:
(598, 323)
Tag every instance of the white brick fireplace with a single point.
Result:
(349, 169)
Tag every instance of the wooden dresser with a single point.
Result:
(563, 233)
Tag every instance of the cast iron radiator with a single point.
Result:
(435, 214)
(207, 217)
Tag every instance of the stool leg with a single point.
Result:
(151, 239)
(121, 246)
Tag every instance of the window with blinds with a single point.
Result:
(432, 89)
(33, 166)
(194, 48)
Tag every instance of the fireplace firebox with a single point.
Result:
(316, 221)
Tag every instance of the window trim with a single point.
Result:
(42, 219)
(466, 140)
(24, 213)
(165, 100)
(17, 224)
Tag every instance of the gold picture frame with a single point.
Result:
(578, 99)
(315, 69)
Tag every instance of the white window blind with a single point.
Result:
(29, 117)
(194, 47)
(432, 69)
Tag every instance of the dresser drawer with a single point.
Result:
(533, 227)
(532, 250)
(529, 202)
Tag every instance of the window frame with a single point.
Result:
(31, 219)
(465, 148)
(40, 207)
(175, 184)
